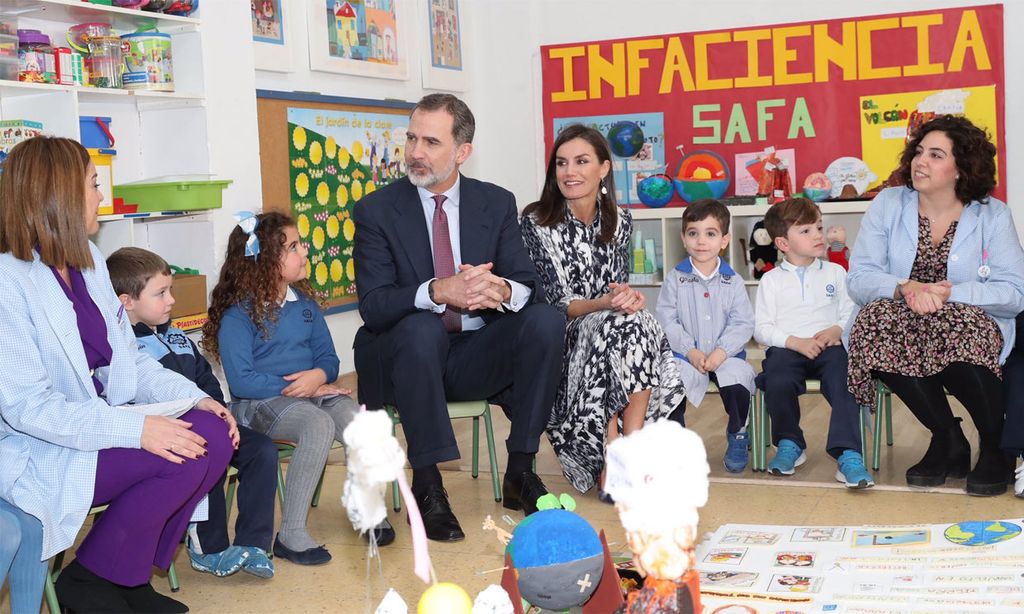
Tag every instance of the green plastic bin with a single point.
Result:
(173, 195)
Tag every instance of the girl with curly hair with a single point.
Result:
(267, 329)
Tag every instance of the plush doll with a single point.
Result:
(763, 254)
(837, 250)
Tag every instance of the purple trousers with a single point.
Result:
(150, 502)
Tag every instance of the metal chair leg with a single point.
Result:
(476, 447)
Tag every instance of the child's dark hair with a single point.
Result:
(252, 282)
(131, 268)
(790, 212)
(701, 209)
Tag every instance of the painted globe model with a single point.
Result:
(558, 557)
(981, 532)
(655, 191)
(702, 174)
(625, 138)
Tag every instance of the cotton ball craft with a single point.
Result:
(374, 460)
(493, 600)
(392, 604)
(658, 477)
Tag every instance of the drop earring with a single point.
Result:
(604, 188)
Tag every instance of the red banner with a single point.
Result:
(835, 95)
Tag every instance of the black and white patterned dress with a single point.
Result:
(608, 355)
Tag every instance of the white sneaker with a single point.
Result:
(1018, 486)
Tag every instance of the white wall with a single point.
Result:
(502, 57)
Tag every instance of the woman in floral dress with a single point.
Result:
(939, 273)
(619, 371)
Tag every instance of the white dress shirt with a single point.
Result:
(800, 301)
(520, 293)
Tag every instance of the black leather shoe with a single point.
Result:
(522, 491)
(383, 533)
(604, 497)
(145, 599)
(80, 590)
(948, 455)
(312, 556)
(989, 476)
(438, 520)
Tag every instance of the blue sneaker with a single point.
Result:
(736, 452)
(788, 457)
(258, 563)
(852, 471)
(220, 564)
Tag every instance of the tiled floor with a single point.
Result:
(351, 583)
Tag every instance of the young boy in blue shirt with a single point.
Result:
(142, 281)
(801, 308)
(706, 314)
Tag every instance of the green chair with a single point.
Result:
(883, 405)
(761, 427)
(461, 409)
(285, 449)
(50, 593)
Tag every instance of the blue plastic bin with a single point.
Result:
(92, 132)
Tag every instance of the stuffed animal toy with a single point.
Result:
(837, 250)
(763, 254)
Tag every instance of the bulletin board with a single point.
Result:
(835, 95)
(319, 155)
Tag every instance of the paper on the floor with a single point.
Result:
(172, 409)
(972, 566)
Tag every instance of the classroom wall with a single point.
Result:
(502, 57)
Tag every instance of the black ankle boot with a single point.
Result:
(989, 476)
(80, 590)
(948, 455)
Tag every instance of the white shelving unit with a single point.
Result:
(666, 225)
(156, 133)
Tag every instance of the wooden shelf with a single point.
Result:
(152, 215)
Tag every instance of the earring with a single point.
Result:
(604, 188)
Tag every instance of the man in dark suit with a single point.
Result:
(452, 310)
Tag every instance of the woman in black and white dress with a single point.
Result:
(619, 372)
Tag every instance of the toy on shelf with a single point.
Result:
(655, 190)
(763, 254)
(658, 477)
(837, 250)
(817, 187)
(701, 174)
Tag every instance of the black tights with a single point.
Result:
(977, 388)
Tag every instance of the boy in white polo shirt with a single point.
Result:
(800, 311)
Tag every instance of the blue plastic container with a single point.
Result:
(93, 134)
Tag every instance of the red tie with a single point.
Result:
(444, 262)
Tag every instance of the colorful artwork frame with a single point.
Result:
(445, 57)
(273, 23)
(368, 38)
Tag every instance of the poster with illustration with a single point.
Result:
(336, 158)
(267, 21)
(445, 38)
(363, 30)
(637, 142)
(885, 119)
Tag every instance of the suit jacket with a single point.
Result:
(47, 399)
(886, 248)
(393, 258)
